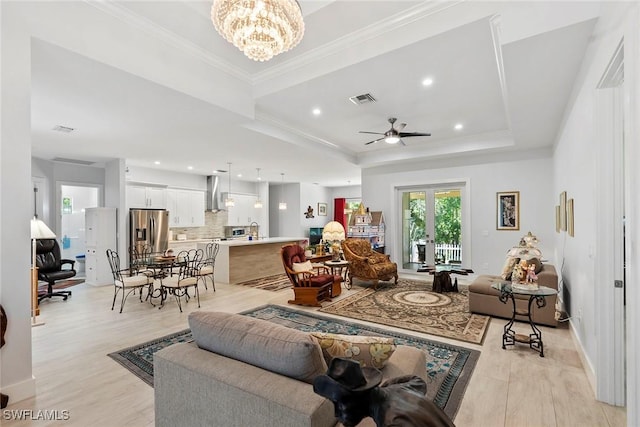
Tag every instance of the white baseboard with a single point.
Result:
(20, 391)
(586, 363)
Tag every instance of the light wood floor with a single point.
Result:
(513, 387)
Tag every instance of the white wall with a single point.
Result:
(285, 223)
(16, 203)
(575, 160)
(311, 195)
(533, 178)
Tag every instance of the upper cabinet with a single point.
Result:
(146, 197)
(186, 208)
(244, 212)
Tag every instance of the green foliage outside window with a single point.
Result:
(447, 218)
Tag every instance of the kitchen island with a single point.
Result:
(242, 260)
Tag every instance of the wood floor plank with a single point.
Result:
(513, 387)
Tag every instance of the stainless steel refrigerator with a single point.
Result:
(150, 228)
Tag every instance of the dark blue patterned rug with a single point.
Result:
(449, 367)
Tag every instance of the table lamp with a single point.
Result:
(39, 230)
(334, 232)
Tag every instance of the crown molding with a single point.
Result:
(159, 32)
(372, 31)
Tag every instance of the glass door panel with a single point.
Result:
(431, 226)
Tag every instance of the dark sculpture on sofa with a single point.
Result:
(356, 394)
(50, 267)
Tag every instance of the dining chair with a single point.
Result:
(178, 285)
(207, 266)
(127, 280)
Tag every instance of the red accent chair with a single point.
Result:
(309, 287)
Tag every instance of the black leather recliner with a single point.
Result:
(50, 267)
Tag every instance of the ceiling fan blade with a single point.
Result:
(375, 140)
(407, 134)
(375, 133)
(401, 126)
(402, 142)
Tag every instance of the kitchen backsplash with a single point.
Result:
(214, 223)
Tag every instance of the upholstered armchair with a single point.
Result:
(367, 264)
(311, 285)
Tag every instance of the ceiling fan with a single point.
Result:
(393, 135)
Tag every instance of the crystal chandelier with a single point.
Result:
(261, 29)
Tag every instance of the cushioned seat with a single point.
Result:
(367, 264)
(483, 298)
(309, 287)
(50, 267)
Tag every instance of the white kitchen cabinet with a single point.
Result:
(186, 208)
(146, 197)
(244, 212)
(100, 235)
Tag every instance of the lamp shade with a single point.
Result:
(39, 230)
(333, 231)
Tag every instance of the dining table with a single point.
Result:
(159, 266)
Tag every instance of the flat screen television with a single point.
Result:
(315, 235)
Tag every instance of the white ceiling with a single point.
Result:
(504, 70)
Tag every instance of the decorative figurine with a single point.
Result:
(309, 212)
(531, 274)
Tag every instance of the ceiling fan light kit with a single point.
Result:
(261, 29)
(393, 135)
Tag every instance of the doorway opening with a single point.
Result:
(72, 202)
(432, 225)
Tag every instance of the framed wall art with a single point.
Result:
(563, 211)
(322, 209)
(570, 217)
(508, 210)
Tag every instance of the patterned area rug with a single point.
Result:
(271, 283)
(411, 305)
(449, 367)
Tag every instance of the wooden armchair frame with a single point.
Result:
(309, 288)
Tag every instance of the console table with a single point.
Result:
(539, 294)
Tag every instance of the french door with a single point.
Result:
(431, 225)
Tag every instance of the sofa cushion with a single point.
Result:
(258, 342)
(369, 351)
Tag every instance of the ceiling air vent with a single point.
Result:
(65, 129)
(362, 99)
(74, 161)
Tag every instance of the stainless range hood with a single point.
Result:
(213, 194)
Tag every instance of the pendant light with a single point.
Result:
(282, 205)
(258, 203)
(228, 202)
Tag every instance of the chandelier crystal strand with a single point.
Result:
(259, 28)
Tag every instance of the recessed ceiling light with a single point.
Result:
(427, 82)
(458, 126)
(190, 168)
(156, 162)
(239, 175)
(316, 111)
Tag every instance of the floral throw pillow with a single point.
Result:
(369, 351)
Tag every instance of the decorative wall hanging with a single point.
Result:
(508, 210)
(322, 209)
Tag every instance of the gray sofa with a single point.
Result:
(483, 299)
(242, 371)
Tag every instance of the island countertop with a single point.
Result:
(242, 260)
(266, 240)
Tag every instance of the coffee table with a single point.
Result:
(537, 294)
(442, 276)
